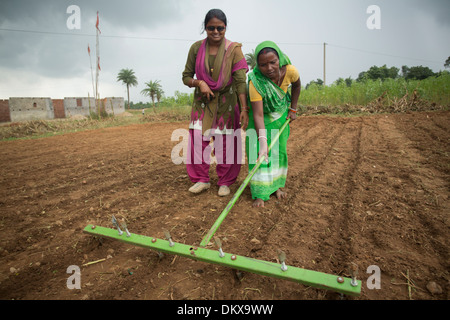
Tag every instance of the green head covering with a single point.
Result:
(284, 59)
(275, 100)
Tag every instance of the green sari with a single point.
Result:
(272, 175)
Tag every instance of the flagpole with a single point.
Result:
(92, 71)
(96, 77)
(97, 68)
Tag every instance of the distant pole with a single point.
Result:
(97, 103)
(324, 63)
(96, 74)
(92, 74)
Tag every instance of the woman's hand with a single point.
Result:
(263, 149)
(258, 116)
(292, 115)
(205, 90)
(244, 119)
(244, 113)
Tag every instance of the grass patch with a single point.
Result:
(360, 98)
(376, 96)
(44, 128)
(164, 113)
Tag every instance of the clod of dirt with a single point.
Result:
(434, 288)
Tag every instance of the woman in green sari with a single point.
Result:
(271, 106)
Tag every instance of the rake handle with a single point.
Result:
(238, 193)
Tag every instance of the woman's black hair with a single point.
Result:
(267, 50)
(215, 13)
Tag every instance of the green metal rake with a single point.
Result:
(348, 286)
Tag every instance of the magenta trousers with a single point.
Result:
(228, 153)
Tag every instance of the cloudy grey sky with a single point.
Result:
(41, 57)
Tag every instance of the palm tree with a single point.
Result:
(151, 90)
(159, 94)
(251, 59)
(127, 77)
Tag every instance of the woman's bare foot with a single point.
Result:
(280, 194)
(258, 203)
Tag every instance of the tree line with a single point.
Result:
(374, 73)
(382, 73)
(154, 90)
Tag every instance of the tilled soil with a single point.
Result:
(364, 190)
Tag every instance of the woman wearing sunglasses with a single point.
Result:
(271, 106)
(216, 68)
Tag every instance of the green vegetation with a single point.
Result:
(46, 128)
(432, 90)
(180, 99)
(129, 79)
(378, 90)
(251, 59)
(153, 90)
(381, 89)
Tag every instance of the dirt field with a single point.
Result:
(370, 190)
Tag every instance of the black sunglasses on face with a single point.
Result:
(212, 28)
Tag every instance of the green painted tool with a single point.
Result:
(265, 268)
(238, 193)
(349, 286)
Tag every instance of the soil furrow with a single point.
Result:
(373, 190)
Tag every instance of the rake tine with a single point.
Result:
(116, 224)
(219, 245)
(282, 258)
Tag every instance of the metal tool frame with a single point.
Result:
(348, 286)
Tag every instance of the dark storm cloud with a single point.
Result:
(132, 31)
(128, 14)
(48, 49)
(438, 9)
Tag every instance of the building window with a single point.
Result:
(79, 104)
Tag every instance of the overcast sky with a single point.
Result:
(41, 57)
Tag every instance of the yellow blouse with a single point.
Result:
(291, 76)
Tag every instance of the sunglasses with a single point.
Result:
(212, 28)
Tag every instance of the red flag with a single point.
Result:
(89, 50)
(96, 25)
(98, 64)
